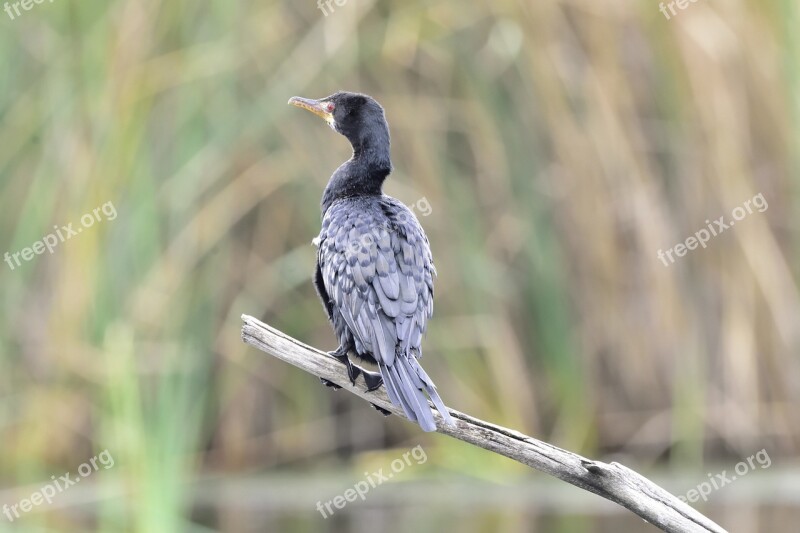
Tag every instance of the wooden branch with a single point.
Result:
(612, 481)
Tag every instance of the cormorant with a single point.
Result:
(374, 270)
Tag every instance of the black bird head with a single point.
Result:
(356, 116)
(361, 119)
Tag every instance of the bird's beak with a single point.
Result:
(315, 106)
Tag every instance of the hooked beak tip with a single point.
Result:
(315, 106)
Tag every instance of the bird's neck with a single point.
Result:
(361, 175)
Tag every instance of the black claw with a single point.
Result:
(372, 379)
(353, 373)
(340, 354)
(381, 410)
(330, 384)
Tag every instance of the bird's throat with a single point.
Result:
(361, 175)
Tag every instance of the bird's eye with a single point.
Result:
(330, 107)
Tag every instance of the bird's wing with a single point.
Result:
(377, 269)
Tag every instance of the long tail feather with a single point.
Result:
(407, 385)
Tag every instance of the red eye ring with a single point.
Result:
(330, 107)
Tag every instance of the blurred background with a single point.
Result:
(552, 148)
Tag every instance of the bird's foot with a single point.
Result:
(340, 354)
(372, 379)
(381, 410)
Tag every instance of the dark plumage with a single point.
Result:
(374, 265)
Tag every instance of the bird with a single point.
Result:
(374, 271)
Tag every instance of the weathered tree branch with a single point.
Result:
(612, 481)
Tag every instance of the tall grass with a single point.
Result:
(560, 146)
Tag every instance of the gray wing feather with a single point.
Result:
(378, 269)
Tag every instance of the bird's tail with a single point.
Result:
(405, 382)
